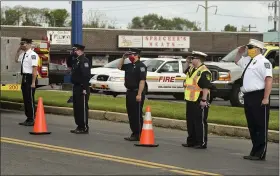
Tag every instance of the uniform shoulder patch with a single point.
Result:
(86, 64)
(33, 57)
(142, 69)
(267, 65)
(208, 76)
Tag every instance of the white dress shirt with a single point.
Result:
(30, 59)
(257, 71)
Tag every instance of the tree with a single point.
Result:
(10, 16)
(230, 28)
(155, 22)
(99, 20)
(244, 29)
(57, 17)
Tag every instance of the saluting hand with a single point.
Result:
(138, 98)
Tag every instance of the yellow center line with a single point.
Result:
(105, 157)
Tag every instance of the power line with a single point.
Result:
(250, 27)
(127, 9)
(235, 16)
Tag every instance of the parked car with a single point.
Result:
(58, 73)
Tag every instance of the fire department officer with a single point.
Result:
(29, 62)
(135, 83)
(80, 79)
(256, 86)
(197, 93)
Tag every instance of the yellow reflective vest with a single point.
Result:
(192, 90)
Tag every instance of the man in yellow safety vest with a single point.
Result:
(197, 93)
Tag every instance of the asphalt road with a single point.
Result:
(104, 151)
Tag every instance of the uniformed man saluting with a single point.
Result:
(80, 79)
(256, 84)
(135, 82)
(29, 62)
(197, 93)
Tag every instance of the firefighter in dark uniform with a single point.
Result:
(135, 83)
(197, 93)
(256, 85)
(29, 63)
(80, 79)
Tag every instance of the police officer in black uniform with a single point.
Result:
(80, 80)
(135, 82)
(29, 63)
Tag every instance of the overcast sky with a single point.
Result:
(254, 13)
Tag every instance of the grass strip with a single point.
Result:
(217, 114)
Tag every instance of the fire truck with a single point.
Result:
(10, 70)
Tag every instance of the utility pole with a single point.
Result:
(206, 12)
(250, 27)
(274, 6)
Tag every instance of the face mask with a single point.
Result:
(131, 58)
(252, 52)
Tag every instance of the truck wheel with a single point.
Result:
(93, 91)
(236, 97)
(179, 96)
(115, 95)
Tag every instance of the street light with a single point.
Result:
(206, 12)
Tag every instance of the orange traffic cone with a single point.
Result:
(147, 138)
(40, 126)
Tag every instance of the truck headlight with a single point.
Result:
(224, 76)
(115, 79)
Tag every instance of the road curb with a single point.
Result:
(222, 130)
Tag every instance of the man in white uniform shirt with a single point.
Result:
(256, 86)
(29, 62)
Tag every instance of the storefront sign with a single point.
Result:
(166, 42)
(59, 37)
(129, 41)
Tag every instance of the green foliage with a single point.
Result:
(156, 22)
(217, 114)
(230, 28)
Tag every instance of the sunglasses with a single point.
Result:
(22, 43)
(251, 46)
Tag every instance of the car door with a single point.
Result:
(168, 73)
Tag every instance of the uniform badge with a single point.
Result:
(142, 69)
(33, 57)
(267, 65)
(86, 64)
(198, 73)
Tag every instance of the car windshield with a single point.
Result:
(153, 65)
(115, 63)
(230, 57)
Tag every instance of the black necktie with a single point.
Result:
(22, 64)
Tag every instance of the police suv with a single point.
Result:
(165, 75)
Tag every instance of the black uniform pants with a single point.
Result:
(28, 96)
(80, 106)
(134, 111)
(257, 116)
(196, 123)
